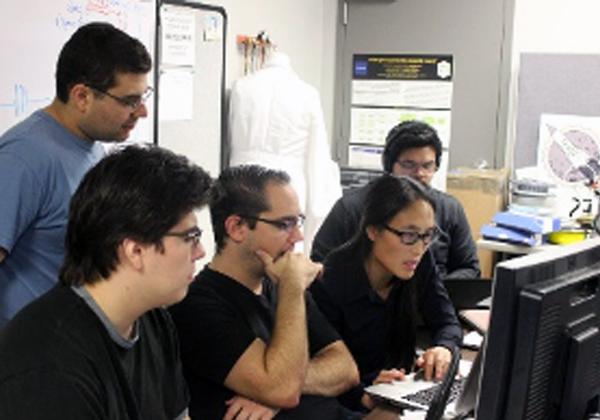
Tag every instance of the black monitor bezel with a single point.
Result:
(510, 278)
(553, 319)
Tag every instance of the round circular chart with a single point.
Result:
(571, 155)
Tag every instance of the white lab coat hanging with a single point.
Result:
(276, 120)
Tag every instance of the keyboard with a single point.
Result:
(425, 396)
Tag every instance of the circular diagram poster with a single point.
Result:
(569, 154)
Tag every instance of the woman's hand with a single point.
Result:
(387, 376)
(434, 362)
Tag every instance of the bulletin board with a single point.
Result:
(191, 81)
(33, 33)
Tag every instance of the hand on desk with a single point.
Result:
(385, 376)
(388, 376)
(434, 362)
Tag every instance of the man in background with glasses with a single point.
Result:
(414, 149)
(101, 88)
(100, 344)
(252, 338)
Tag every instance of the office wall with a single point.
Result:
(305, 30)
(550, 26)
(476, 34)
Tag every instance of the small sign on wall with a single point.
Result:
(388, 89)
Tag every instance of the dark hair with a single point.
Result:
(94, 54)
(138, 193)
(241, 190)
(386, 196)
(409, 135)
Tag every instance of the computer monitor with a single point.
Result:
(542, 351)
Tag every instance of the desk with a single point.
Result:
(507, 248)
(383, 413)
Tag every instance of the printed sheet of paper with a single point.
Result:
(178, 43)
(176, 101)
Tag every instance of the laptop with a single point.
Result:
(454, 396)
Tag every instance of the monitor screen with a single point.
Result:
(542, 349)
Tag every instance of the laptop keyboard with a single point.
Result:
(425, 396)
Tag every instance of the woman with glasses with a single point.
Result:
(374, 286)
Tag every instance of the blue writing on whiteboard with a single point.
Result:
(77, 13)
(22, 103)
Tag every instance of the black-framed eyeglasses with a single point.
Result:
(412, 166)
(410, 237)
(286, 224)
(130, 101)
(191, 236)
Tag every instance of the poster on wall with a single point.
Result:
(388, 89)
(569, 156)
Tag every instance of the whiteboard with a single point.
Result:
(34, 31)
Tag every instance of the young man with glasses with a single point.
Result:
(101, 88)
(251, 337)
(100, 344)
(414, 149)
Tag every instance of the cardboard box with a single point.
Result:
(482, 193)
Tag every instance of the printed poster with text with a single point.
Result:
(388, 89)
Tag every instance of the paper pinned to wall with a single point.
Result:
(569, 155)
(213, 28)
(371, 125)
(406, 93)
(176, 100)
(178, 44)
(569, 147)
(368, 157)
(388, 89)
